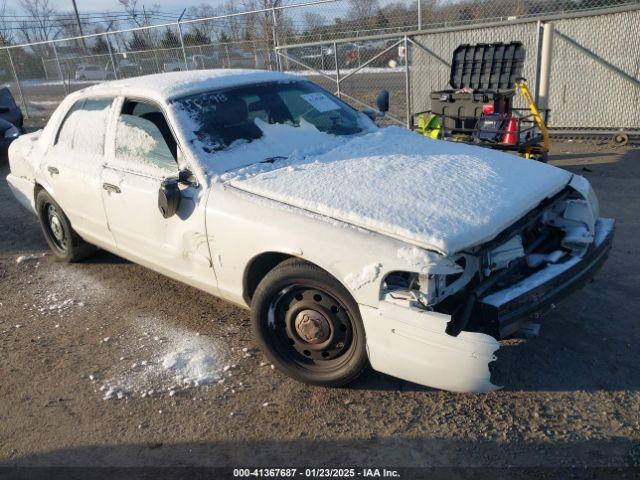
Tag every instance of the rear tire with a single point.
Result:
(308, 325)
(64, 242)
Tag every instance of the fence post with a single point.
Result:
(538, 58)
(335, 53)
(545, 66)
(406, 83)
(64, 84)
(275, 37)
(184, 51)
(226, 52)
(15, 75)
(419, 14)
(113, 61)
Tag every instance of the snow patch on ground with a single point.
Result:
(31, 257)
(367, 275)
(171, 360)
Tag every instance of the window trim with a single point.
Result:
(67, 114)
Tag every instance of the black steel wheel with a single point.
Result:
(63, 241)
(309, 325)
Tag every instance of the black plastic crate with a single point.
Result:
(480, 74)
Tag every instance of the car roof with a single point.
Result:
(171, 85)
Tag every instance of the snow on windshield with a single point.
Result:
(246, 125)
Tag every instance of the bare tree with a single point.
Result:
(43, 23)
(364, 10)
(139, 16)
(6, 29)
(313, 21)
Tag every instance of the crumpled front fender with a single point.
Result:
(411, 344)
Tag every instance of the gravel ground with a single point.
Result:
(70, 332)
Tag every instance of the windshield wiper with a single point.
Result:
(272, 159)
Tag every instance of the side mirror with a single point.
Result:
(186, 177)
(382, 101)
(169, 197)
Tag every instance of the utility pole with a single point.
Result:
(75, 9)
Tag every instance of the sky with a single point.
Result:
(103, 5)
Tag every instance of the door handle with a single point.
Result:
(111, 188)
(53, 170)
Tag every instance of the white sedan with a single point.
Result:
(93, 72)
(351, 244)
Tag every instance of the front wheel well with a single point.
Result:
(36, 190)
(256, 270)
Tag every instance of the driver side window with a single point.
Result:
(144, 139)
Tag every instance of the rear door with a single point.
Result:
(73, 167)
(144, 152)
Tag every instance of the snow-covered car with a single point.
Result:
(351, 244)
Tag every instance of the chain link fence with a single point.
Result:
(594, 82)
(352, 47)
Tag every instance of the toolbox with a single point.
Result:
(482, 80)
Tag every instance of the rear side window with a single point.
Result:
(83, 129)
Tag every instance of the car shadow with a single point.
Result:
(430, 457)
(102, 257)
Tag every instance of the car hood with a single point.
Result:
(438, 195)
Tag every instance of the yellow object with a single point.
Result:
(429, 127)
(521, 84)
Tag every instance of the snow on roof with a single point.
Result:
(170, 85)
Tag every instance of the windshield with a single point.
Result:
(224, 119)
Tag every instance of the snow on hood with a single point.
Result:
(438, 195)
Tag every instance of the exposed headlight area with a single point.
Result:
(426, 290)
(560, 231)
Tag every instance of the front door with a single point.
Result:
(144, 153)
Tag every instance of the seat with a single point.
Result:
(230, 121)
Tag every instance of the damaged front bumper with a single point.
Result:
(414, 344)
(506, 311)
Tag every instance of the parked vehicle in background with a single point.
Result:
(203, 62)
(93, 72)
(127, 68)
(319, 57)
(178, 65)
(360, 53)
(349, 243)
(9, 111)
(237, 58)
(8, 133)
